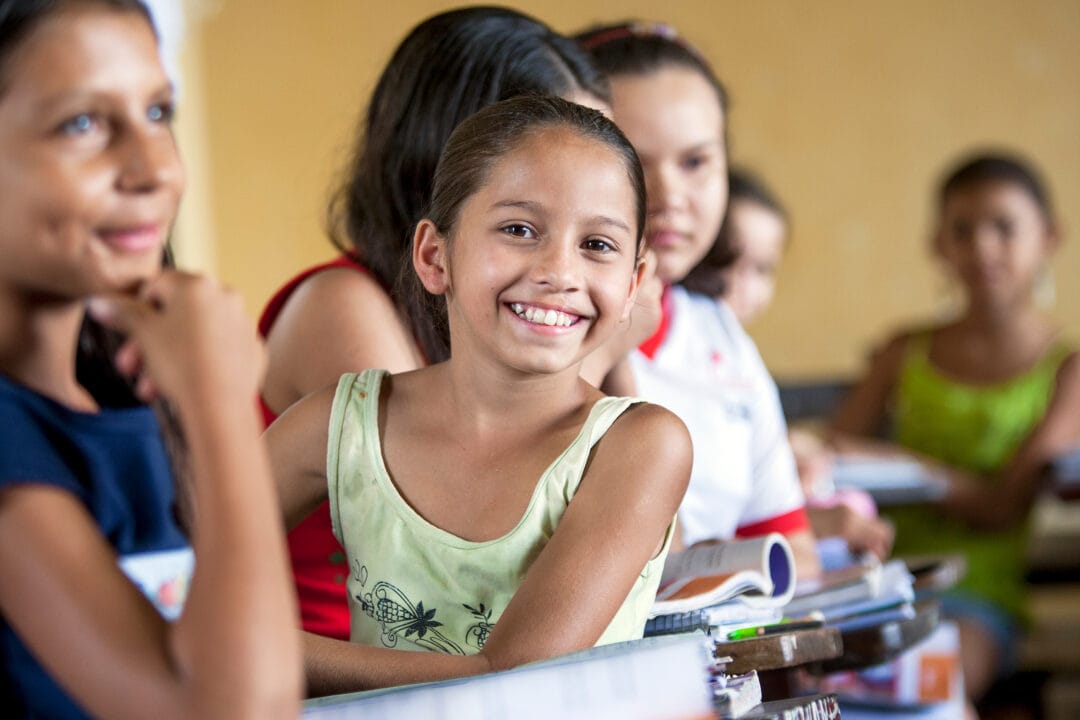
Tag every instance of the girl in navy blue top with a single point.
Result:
(95, 567)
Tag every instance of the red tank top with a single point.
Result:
(318, 561)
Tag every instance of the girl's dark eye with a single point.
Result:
(962, 232)
(598, 245)
(518, 230)
(694, 162)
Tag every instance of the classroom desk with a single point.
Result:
(889, 481)
(777, 657)
(895, 482)
(877, 644)
(781, 651)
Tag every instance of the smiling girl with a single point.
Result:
(91, 554)
(448, 67)
(496, 508)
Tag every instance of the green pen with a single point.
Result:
(746, 632)
(784, 626)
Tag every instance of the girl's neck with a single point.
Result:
(38, 347)
(1005, 323)
(492, 401)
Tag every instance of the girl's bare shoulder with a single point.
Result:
(647, 437)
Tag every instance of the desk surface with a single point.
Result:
(784, 650)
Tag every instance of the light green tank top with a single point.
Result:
(414, 586)
(977, 428)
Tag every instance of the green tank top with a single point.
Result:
(977, 428)
(414, 586)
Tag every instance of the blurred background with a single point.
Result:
(850, 109)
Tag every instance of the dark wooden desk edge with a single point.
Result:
(784, 650)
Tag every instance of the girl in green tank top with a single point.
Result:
(495, 508)
(985, 400)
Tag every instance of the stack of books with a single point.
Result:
(718, 588)
(856, 596)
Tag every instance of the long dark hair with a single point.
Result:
(483, 139)
(446, 69)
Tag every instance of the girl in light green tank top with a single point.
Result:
(987, 399)
(495, 508)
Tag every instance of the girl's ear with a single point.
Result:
(1052, 236)
(645, 265)
(430, 258)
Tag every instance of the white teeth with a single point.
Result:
(539, 316)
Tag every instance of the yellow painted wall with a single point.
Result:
(850, 108)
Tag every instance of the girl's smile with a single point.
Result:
(549, 317)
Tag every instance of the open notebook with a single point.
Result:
(755, 573)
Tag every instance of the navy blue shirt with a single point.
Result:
(115, 463)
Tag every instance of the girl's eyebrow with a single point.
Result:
(703, 145)
(92, 94)
(538, 208)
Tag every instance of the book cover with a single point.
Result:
(651, 679)
(760, 572)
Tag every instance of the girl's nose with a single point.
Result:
(665, 188)
(558, 265)
(149, 160)
(986, 242)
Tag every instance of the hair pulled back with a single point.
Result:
(482, 141)
(987, 167)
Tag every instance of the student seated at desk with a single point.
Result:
(741, 269)
(353, 309)
(987, 399)
(700, 363)
(92, 557)
(495, 508)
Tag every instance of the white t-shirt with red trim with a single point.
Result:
(703, 366)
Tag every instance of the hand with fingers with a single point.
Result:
(189, 339)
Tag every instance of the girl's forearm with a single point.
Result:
(238, 629)
(337, 666)
(984, 502)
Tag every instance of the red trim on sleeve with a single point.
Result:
(652, 345)
(786, 524)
